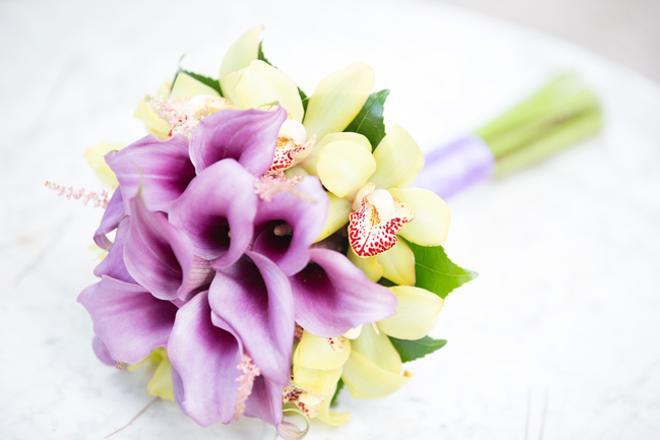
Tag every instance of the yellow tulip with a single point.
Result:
(431, 216)
(416, 313)
(398, 159)
(337, 99)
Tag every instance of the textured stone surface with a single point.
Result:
(557, 335)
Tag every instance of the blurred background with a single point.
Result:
(626, 31)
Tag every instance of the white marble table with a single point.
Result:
(557, 339)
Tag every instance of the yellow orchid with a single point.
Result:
(368, 364)
(160, 384)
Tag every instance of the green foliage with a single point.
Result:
(206, 80)
(411, 350)
(335, 397)
(434, 271)
(369, 121)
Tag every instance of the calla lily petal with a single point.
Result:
(311, 161)
(317, 353)
(161, 169)
(416, 313)
(241, 52)
(95, 158)
(332, 295)
(265, 401)
(261, 84)
(101, 352)
(185, 86)
(113, 214)
(399, 159)
(255, 287)
(344, 167)
(113, 264)
(430, 224)
(159, 257)
(369, 265)
(288, 223)
(205, 361)
(248, 136)
(337, 99)
(398, 264)
(216, 212)
(127, 319)
(338, 210)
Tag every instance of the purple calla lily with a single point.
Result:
(159, 257)
(248, 136)
(161, 170)
(113, 214)
(255, 287)
(332, 295)
(288, 224)
(113, 264)
(217, 212)
(128, 320)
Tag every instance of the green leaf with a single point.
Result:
(434, 271)
(335, 397)
(411, 350)
(261, 56)
(206, 80)
(369, 121)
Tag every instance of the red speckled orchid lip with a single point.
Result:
(375, 221)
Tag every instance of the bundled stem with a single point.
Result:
(555, 117)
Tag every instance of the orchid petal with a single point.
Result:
(113, 264)
(160, 384)
(288, 223)
(337, 99)
(265, 401)
(161, 169)
(260, 84)
(430, 224)
(159, 257)
(248, 136)
(398, 264)
(398, 159)
(127, 319)
(95, 158)
(255, 287)
(311, 161)
(332, 295)
(319, 382)
(416, 313)
(332, 418)
(241, 52)
(113, 214)
(317, 353)
(185, 86)
(156, 125)
(344, 167)
(205, 361)
(369, 265)
(216, 212)
(374, 367)
(377, 219)
(338, 211)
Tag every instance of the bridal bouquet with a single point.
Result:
(265, 248)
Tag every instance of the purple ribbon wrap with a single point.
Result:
(456, 166)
